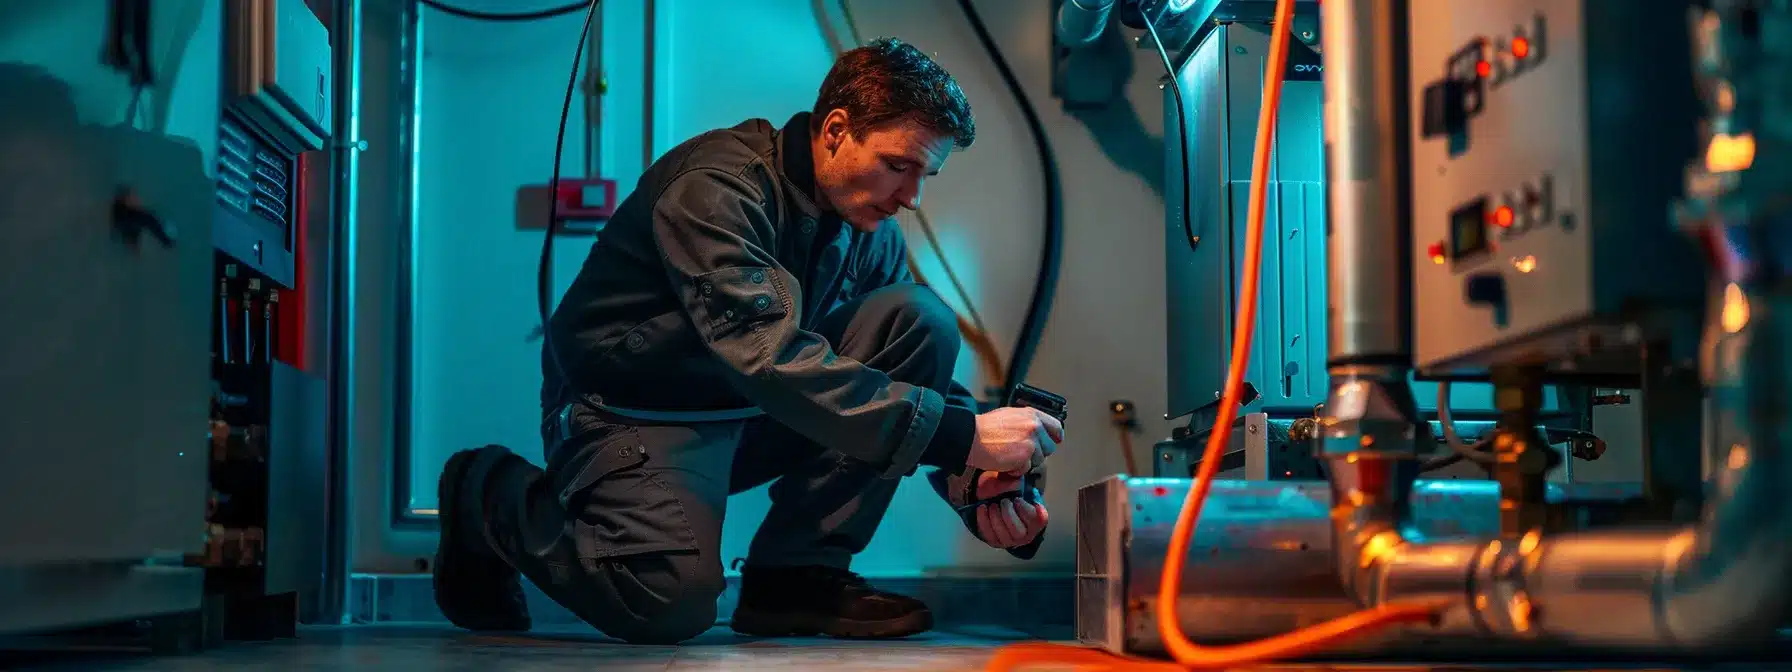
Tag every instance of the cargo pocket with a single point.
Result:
(738, 299)
(616, 505)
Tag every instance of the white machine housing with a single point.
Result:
(1542, 220)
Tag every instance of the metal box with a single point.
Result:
(1547, 147)
(279, 62)
(1222, 86)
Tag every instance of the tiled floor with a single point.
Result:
(417, 648)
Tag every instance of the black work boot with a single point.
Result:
(805, 601)
(475, 588)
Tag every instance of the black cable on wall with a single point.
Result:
(1045, 284)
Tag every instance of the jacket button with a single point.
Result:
(708, 289)
(808, 227)
(636, 340)
(762, 302)
(758, 277)
(728, 315)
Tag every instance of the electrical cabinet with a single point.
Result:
(1547, 151)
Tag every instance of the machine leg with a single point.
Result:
(1673, 413)
(1522, 456)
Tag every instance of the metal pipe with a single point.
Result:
(406, 19)
(1261, 561)
(1723, 582)
(1081, 22)
(1370, 431)
(345, 34)
(1366, 122)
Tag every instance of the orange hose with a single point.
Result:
(1187, 654)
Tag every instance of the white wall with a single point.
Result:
(186, 43)
(491, 102)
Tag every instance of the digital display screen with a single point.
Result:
(1468, 230)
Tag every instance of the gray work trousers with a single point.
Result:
(624, 527)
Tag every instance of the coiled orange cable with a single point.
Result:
(1187, 654)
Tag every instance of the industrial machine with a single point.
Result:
(1516, 195)
(138, 241)
(1218, 59)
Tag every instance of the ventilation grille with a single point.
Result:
(253, 178)
(1100, 573)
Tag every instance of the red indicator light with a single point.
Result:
(1483, 69)
(1437, 253)
(1502, 216)
(1520, 47)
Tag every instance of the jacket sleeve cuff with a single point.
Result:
(951, 444)
(919, 435)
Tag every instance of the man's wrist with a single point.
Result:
(951, 444)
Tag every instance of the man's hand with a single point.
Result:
(1011, 439)
(1013, 522)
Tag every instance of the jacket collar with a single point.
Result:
(798, 164)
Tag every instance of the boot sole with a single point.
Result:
(447, 501)
(754, 623)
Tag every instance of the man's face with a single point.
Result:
(869, 176)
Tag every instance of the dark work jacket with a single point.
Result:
(698, 298)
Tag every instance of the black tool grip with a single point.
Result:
(1024, 396)
(1027, 396)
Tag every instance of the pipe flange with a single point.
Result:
(1501, 599)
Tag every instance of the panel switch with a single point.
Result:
(1487, 289)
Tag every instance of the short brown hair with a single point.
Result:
(889, 80)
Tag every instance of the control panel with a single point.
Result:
(1545, 151)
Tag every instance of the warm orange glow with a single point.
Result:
(1502, 216)
(1483, 69)
(1525, 264)
(1520, 47)
(1735, 309)
(1730, 153)
(1437, 259)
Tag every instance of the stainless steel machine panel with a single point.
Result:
(1222, 83)
(296, 481)
(1547, 146)
(1222, 86)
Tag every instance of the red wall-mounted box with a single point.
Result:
(584, 205)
